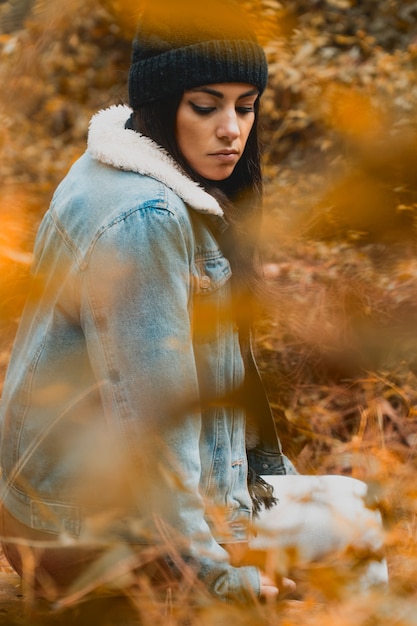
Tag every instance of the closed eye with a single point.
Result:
(245, 110)
(202, 110)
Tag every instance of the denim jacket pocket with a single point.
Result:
(211, 305)
(60, 517)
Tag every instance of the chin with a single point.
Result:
(217, 178)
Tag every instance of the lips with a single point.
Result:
(224, 152)
(225, 156)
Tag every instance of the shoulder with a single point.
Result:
(100, 193)
(95, 199)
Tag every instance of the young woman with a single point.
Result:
(132, 378)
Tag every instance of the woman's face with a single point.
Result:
(212, 126)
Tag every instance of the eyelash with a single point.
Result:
(207, 110)
(202, 110)
(245, 110)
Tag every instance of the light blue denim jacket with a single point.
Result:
(125, 330)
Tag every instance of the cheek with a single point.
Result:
(187, 142)
(186, 133)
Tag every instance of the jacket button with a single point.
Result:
(205, 282)
(265, 465)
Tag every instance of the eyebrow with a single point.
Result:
(219, 94)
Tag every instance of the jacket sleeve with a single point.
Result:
(135, 301)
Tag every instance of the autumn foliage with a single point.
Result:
(337, 344)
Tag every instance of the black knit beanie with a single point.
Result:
(180, 45)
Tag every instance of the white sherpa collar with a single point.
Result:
(111, 143)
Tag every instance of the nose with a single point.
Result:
(228, 127)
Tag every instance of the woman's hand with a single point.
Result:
(270, 591)
(240, 554)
